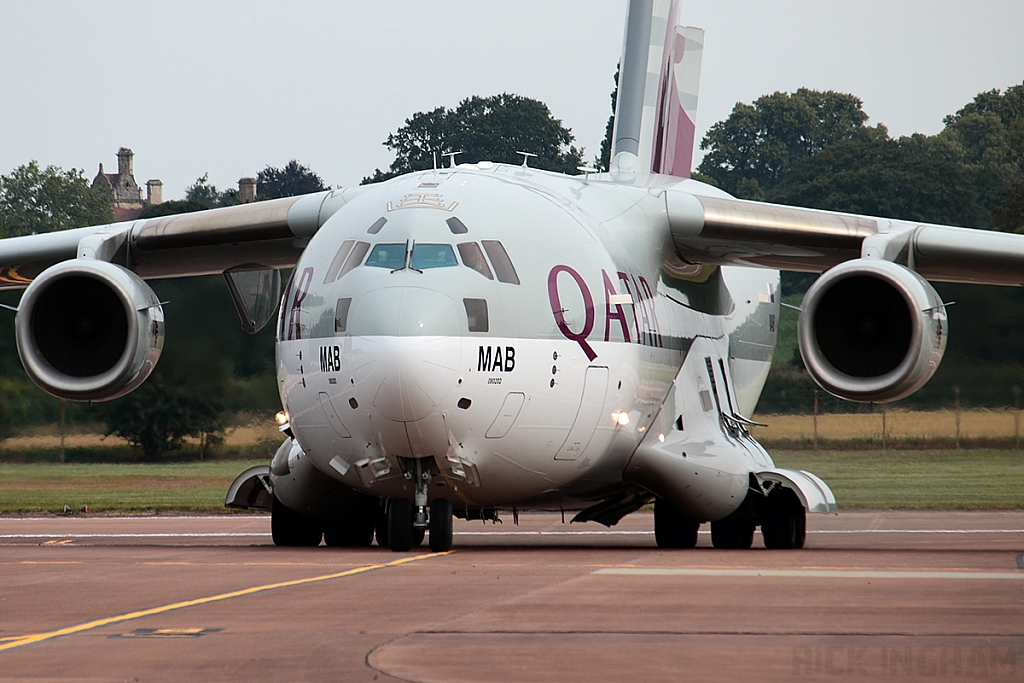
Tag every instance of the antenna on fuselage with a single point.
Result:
(451, 163)
(586, 171)
(526, 158)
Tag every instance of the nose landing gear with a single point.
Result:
(407, 521)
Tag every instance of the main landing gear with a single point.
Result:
(671, 528)
(290, 528)
(354, 527)
(784, 523)
(781, 515)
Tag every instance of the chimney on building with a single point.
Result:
(124, 162)
(246, 190)
(154, 192)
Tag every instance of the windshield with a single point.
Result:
(426, 256)
(391, 256)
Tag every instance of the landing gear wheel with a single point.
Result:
(354, 530)
(671, 528)
(400, 531)
(417, 537)
(290, 528)
(440, 526)
(785, 522)
(732, 534)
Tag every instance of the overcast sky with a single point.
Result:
(230, 87)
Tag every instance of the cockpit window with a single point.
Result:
(426, 256)
(456, 226)
(332, 272)
(474, 258)
(391, 256)
(476, 315)
(503, 267)
(355, 258)
(377, 225)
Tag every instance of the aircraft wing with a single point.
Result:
(270, 233)
(724, 230)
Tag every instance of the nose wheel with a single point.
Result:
(440, 526)
(402, 535)
(400, 531)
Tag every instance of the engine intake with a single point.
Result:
(89, 330)
(872, 331)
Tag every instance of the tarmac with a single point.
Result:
(932, 596)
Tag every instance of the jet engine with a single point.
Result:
(872, 331)
(89, 330)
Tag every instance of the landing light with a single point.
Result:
(661, 438)
(281, 418)
(621, 418)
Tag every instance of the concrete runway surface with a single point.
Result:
(932, 596)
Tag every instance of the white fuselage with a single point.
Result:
(538, 397)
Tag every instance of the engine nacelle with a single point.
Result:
(89, 330)
(872, 331)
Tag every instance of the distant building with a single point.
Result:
(125, 193)
(246, 190)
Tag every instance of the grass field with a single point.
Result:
(85, 444)
(911, 473)
(113, 487)
(873, 479)
(982, 478)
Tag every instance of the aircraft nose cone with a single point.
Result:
(417, 349)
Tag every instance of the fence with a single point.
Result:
(884, 426)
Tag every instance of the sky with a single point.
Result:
(228, 88)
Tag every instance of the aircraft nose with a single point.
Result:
(417, 350)
(404, 312)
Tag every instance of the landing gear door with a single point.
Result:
(595, 387)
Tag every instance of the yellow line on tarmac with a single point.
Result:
(107, 621)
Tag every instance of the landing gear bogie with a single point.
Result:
(353, 532)
(291, 528)
(732, 534)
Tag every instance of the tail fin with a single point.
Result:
(659, 77)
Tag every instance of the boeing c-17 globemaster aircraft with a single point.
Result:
(487, 337)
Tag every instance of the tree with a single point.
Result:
(1009, 215)
(168, 407)
(922, 178)
(604, 159)
(172, 207)
(482, 128)
(751, 150)
(991, 131)
(292, 180)
(206, 194)
(35, 200)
